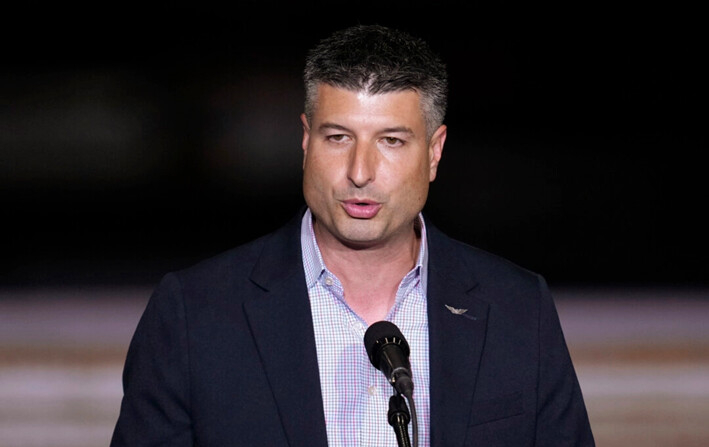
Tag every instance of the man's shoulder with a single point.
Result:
(485, 266)
(240, 255)
(469, 252)
(240, 261)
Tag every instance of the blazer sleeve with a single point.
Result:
(155, 406)
(562, 419)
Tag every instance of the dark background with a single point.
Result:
(137, 141)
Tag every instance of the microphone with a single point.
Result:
(388, 351)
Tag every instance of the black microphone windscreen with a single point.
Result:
(380, 334)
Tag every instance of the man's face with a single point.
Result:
(367, 166)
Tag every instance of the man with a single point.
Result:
(262, 345)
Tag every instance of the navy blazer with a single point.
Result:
(224, 355)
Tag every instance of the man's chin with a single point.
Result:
(360, 240)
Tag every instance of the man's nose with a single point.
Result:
(362, 164)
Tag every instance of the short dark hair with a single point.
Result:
(377, 59)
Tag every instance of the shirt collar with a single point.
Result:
(315, 267)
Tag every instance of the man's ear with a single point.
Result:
(306, 136)
(435, 150)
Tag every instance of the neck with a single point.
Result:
(371, 275)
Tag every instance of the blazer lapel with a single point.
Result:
(457, 327)
(281, 324)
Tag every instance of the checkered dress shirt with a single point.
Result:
(355, 394)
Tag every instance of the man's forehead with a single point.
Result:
(404, 102)
(365, 92)
(394, 111)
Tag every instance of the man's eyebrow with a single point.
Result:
(397, 129)
(332, 126)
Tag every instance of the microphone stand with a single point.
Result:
(399, 419)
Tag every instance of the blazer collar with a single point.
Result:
(281, 324)
(457, 326)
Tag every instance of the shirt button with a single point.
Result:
(328, 281)
(372, 390)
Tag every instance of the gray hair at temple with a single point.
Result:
(376, 59)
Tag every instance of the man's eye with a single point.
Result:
(336, 138)
(392, 141)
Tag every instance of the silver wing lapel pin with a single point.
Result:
(456, 311)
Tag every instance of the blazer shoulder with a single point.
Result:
(474, 259)
(233, 261)
(491, 278)
(270, 251)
